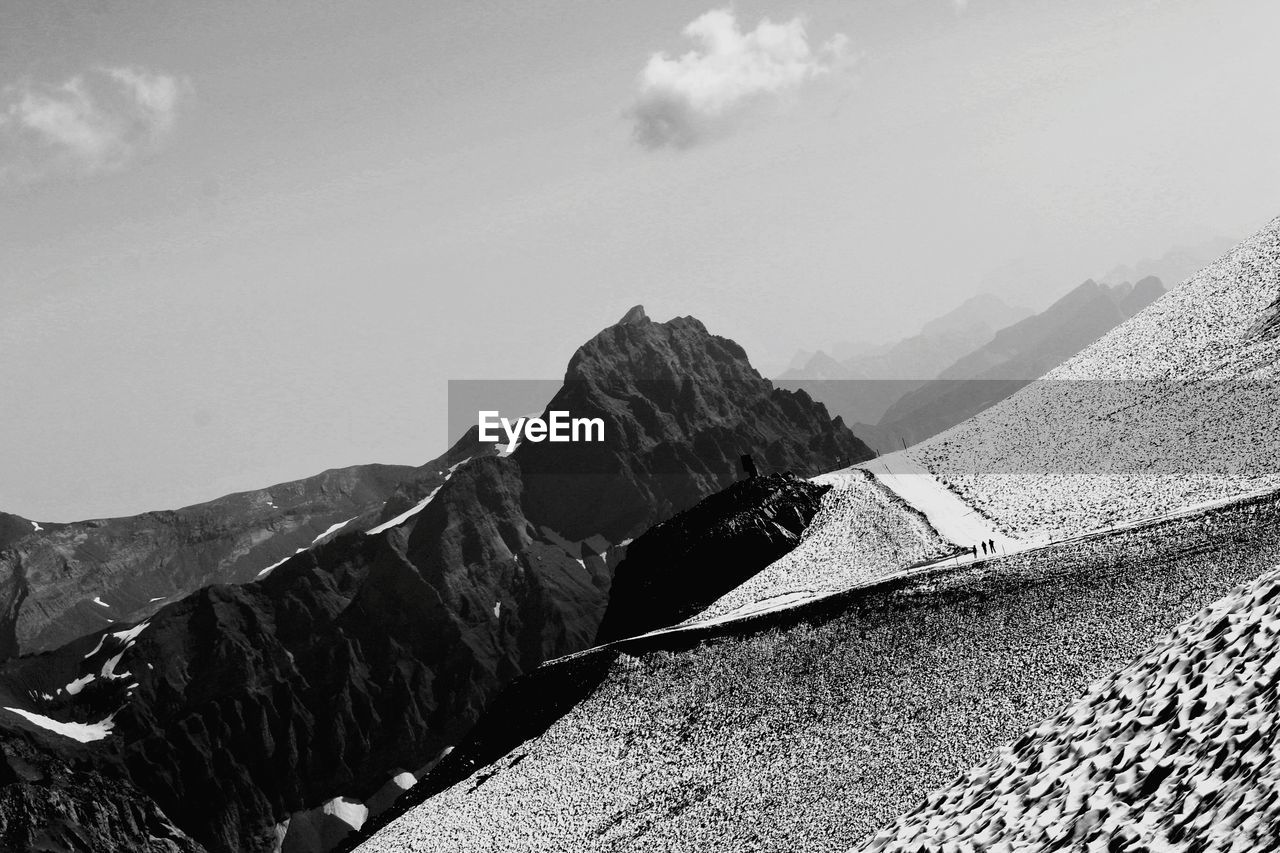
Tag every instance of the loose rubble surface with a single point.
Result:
(825, 728)
(1173, 752)
(1175, 407)
(861, 532)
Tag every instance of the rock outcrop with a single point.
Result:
(681, 565)
(47, 805)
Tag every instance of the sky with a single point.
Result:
(246, 242)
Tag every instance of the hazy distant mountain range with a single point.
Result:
(899, 367)
(1174, 266)
(961, 363)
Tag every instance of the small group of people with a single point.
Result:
(988, 547)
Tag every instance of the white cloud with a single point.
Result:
(100, 121)
(704, 93)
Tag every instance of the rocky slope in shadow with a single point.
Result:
(678, 567)
(48, 806)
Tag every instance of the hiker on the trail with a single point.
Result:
(993, 545)
(984, 549)
(975, 552)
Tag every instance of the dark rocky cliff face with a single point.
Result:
(47, 806)
(680, 566)
(366, 655)
(680, 405)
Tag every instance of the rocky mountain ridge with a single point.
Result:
(61, 581)
(241, 709)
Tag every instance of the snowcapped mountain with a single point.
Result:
(355, 653)
(1153, 450)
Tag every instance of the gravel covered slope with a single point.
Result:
(826, 722)
(1173, 408)
(1174, 752)
(860, 533)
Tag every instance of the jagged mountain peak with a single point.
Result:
(633, 316)
(647, 351)
(680, 405)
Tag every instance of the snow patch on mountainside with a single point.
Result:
(277, 564)
(406, 515)
(951, 517)
(419, 506)
(351, 812)
(83, 732)
(130, 634)
(127, 636)
(333, 528)
(74, 686)
(109, 668)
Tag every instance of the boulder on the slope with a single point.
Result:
(678, 567)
